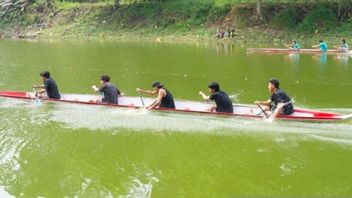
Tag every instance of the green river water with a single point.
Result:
(66, 150)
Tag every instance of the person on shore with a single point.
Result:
(322, 46)
(226, 33)
(294, 46)
(279, 102)
(344, 46)
(220, 33)
(222, 100)
(109, 91)
(232, 33)
(49, 86)
(164, 99)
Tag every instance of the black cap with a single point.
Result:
(275, 82)
(214, 85)
(105, 78)
(45, 74)
(321, 41)
(157, 84)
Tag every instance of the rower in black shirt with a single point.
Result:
(164, 99)
(109, 91)
(49, 86)
(279, 102)
(222, 100)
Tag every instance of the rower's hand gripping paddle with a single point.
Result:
(36, 97)
(265, 114)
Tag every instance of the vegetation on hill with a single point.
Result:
(200, 18)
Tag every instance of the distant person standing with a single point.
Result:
(322, 46)
(110, 92)
(222, 100)
(232, 34)
(49, 86)
(218, 33)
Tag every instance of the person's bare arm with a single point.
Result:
(277, 111)
(41, 91)
(157, 101)
(146, 91)
(268, 102)
(95, 88)
(38, 86)
(205, 97)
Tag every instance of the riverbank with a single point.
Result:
(178, 21)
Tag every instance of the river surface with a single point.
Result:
(66, 150)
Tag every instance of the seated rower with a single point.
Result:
(49, 86)
(322, 46)
(294, 46)
(343, 47)
(222, 100)
(279, 102)
(164, 99)
(109, 91)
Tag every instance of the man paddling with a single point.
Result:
(344, 46)
(164, 99)
(322, 46)
(294, 46)
(279, 102)
(109, 91)
(222, 100)
(49, 86)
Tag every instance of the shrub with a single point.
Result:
(288, 18)
(320, 19)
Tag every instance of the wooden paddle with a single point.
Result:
(141, 97)
(265, 114)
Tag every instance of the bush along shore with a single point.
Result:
(276, 21)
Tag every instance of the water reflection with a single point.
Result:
(342, 58)
(294, 57)
(225, 48)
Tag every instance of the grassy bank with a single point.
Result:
(181, 20)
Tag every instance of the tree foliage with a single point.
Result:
(12, 6)
(319, 19)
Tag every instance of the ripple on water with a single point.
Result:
(75, 116)
(13, 137)
(140, 183)
(81, 116)
(4, 193)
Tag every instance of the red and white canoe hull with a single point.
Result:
(286, 50)
(240, 110)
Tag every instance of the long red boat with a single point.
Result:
(286, 50)
(240, 110)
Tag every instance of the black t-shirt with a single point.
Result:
(51, 88)
(167, 101)
(110, 92)
(223, 102)
(281, 97)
